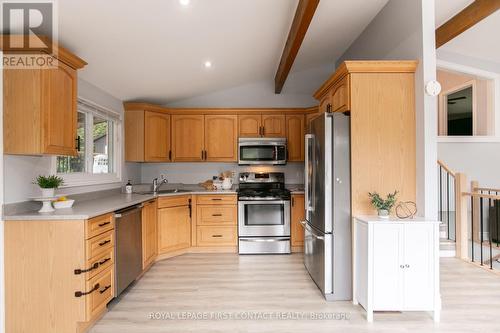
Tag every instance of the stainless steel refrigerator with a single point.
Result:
(327, 247)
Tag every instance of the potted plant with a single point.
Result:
(383, 206)
(48, 184)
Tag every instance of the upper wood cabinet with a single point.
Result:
(147, 136)
(250, 126)
(40, 112)
(340, 95)
(262, 126)
(188, 138)
(149, 233)
(273, 125)
(295, 135)
(221, 138)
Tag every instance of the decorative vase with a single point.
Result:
(48, 192)
(383, 213)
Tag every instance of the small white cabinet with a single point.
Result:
(396, 265)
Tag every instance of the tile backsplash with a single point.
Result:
(193, 173)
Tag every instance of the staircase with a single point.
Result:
(446, 214)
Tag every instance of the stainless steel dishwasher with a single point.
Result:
(128, 247)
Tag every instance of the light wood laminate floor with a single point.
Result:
(244, 285)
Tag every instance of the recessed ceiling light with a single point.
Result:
(208, 64)
(184, 2)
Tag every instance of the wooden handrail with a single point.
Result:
(481, 195)
(445, 167)
(486, 189)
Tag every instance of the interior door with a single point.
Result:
(418, 263)
(59, 96)
(188, 138)
(221, 136)
(157, 137)
(387, 267)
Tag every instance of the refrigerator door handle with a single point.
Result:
(309, 158)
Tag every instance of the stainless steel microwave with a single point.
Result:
(262, 151)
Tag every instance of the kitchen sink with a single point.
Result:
(176, 190)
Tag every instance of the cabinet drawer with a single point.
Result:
(217, 214)
(223, 199)
(174, 201)
(99, 244)
(103, 285)
(217, 236)
(97, 225)
(103, 261)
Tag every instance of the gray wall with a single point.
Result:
(19, 171)
(405, 30)
(193, 173)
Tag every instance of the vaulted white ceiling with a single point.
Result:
(154, 50)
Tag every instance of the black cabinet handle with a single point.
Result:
(104, 290)
(216, 199)
(105, 242)
(83, 293)
(103, 224)
(104, 261)
(216, 214)
(216, 236)
(202, 155)
(80, 271)
(77, 143)
(263, 131)
(190, 208)
(170, 155)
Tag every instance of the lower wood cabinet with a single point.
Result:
(58, 277)
(149, 233)
(174, 224)
(396, 265)
(216, 220)
(217, 235)
(297, 215)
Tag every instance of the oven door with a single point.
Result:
(264, 218)
(261, 153)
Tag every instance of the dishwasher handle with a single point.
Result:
(128, 211)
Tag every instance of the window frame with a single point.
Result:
(495, 78)
(86, 178)
(443, 100)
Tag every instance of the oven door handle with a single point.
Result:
(264, 240)
(264, 202)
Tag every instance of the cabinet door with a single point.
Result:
(187, 138)
(273, 125)
(387, 271)
(297, 215)
(249, 126)
(156, 137)
(295, 137)
(341, 96)
(418, 262)
(149, 234)
(59, 98)
(174, 229)
(221, 136)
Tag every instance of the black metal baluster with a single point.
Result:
(481, 227)
(472, 226)
(497, 203)
(448, 202)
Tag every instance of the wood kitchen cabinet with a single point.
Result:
(296, 229)
(188, 138)
(174, 224)
(147, 136)
(295, 136)
(221, 138)
(59, 274)
(149, 233)
(262, 125)
(40, 108)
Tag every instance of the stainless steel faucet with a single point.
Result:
(156, 185)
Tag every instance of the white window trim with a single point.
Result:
(495, 77)
(443, 100)
(87, 178)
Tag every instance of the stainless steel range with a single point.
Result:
(263, 213)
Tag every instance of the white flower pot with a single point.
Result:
(383, 213)
(48, 192)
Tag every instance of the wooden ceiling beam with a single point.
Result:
(302, 19)
(467, 18)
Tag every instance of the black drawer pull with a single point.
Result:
(216, 214)
(216, 199)
(103, 224)
(80, 271)
(104, 290)
(104, 261)
(105, 242)
(217, 236)
(82, 293)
